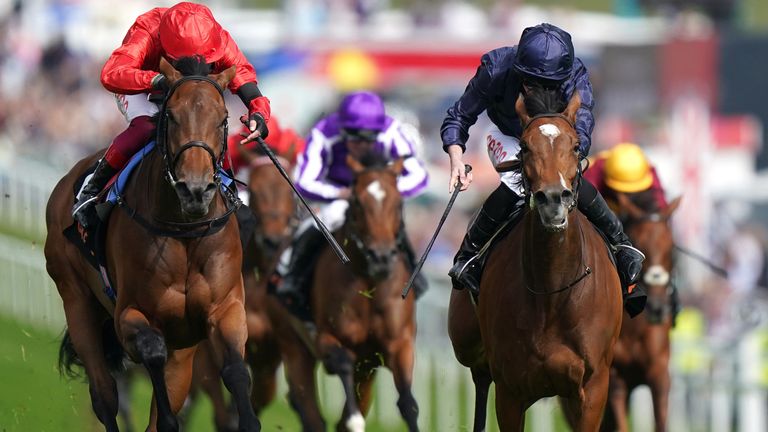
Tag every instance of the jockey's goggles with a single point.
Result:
(359, 135)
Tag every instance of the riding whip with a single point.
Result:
(456, 190)
(320, 225)
(716, 269)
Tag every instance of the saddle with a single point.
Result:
(506, 227)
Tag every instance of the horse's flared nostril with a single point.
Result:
(540, 197)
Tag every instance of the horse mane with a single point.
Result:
(193, 66)
(543, 100)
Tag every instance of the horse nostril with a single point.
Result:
(540, 198)
(566, 195)
(183, 189)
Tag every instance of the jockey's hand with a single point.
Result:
(345, 193)
(256, 125)
(160, 83)
(458, 173)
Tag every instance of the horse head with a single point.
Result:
(549, 153)
(192, 131)
(651, 233)
(375, 212)
(271, 200)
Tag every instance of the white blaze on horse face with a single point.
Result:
(656, 275)
(562, 180)
(550, 131)
(376, 191)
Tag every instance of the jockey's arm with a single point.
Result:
(414, 177)
(585, 120)
(122, 73)
(312, 169)
(244, 84)
(464, 113)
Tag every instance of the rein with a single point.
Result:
(587, 272)
(187, 229)
(575, 185)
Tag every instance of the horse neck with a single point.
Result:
(552, 259)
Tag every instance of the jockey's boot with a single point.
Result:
(82, 211)
(420, 285)
(466, 270)
(292, 292)
(629, 260)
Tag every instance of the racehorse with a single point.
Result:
(362, 322)
(550, 307)
(272, 204)
(173, 255)
(641, 355)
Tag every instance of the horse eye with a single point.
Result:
(576, 148)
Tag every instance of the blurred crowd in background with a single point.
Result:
(683, 79)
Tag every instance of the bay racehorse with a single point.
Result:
(173, 255)
(550, 307)
(273, 206)
(641, 355)
(362, 322)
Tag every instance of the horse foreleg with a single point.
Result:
(148, 346)
(338, 360)
(227, 337)
(482, 380)
(659, 384)
(178, 379)
(85, 334)
(300, 374)
(365, 376)
(206, 375)
(401, 365)
(615, 418)
(586, 409)
(264, 359)
(510, 412)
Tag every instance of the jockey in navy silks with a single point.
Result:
(543, 57)
(359, 126)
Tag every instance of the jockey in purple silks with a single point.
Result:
(358, 127)
(544, 57)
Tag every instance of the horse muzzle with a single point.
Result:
(380, 262)
(553, 205)
(195, 197)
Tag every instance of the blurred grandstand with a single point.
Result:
(684, 79)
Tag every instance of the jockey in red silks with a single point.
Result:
(131, 72)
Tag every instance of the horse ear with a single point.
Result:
(397, 166)
(673, 205)
(573, 106)
(355, 165)
(521, 111)
(225, 77)
(628, 207)
(169, 71)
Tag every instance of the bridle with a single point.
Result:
(575, 185)
(170, 159)
(187, 229)
(352, 229)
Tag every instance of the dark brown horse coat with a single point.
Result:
(171, 292)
